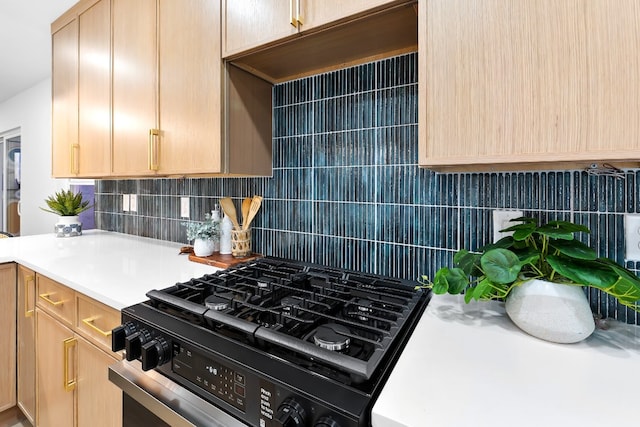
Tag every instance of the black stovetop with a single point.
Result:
(337, 323)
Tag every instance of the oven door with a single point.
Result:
(150, 398)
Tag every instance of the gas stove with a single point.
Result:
(277, 342)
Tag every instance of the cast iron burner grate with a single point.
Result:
(320, 318)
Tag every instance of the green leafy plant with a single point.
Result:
(66, 203)
(209, 229)
(548, 252)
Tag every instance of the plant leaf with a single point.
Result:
(521, 231)
(588, 273)
(574, 249)
(500, 265)
(569, 226)
(453, 281)
(627, 287)
(469, 262)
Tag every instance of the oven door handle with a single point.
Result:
(166, 399)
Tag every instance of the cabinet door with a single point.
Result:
(251, 23)
(54, 372)
(190, 87)
(534, 81)
(94, 90)
(135, 85)
(26, 305)
(8, 336)
(64, 108)
(319, 12)
(99, 401)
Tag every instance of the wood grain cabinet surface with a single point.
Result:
(528, 84)
(81, 92)
(281, 40)
(8, 336)
(249, 24)
(26, 345)
(72, 359)
(144, 94)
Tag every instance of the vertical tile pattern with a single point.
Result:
(346, 190)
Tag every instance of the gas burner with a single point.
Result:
(289, 304)
(364, 307)
(263, 282)
(218, 302)
(332, 337)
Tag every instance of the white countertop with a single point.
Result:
(469, 365)
(115, 269)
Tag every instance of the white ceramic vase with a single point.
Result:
(551, 311)
(68, 226)
(203, 247)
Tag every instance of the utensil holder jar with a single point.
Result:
(240, 243)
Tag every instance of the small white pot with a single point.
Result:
(551, 311)
(203, 247)
(68, 226)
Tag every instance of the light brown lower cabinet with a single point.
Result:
(72, 382)
(7, 336)
(26, 342)
(56, 395)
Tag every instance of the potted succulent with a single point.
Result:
(539, 271)
(67, 205)
(204, 235)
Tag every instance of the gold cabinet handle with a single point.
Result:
(75, 162)
(153, 149)
(69, 384)
(292, 13)
(49, 300)
(27, 312)
(89, 322)
(298, 14)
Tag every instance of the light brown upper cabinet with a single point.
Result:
(528, 84)
(64, 109)
(81, 88)
(164, 89)
(279, 40)
(167, 88)
(249, 24)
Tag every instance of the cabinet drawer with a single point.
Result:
(96, 320)
(56, 299)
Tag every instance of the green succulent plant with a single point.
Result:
(66, 203)
(548, 252)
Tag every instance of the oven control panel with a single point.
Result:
(245, 393)
(222, 381)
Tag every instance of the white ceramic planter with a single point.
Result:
(203, 247)
(68, 226)
(551, 311)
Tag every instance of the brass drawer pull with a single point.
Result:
(49, 300)
(89, 322)
(27, 312)
(69, 385)
(153, 149)
(75, 159)
(292, 16)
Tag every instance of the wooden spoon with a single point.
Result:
(253, 210)
(246, 205)
(230, 210)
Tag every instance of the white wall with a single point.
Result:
(31, 112)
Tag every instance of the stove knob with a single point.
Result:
(155, 353)
(133, 344)
(326, 422)
(290, 414)
(119, 334)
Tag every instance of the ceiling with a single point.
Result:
(25, 42)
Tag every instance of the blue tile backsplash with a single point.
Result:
(346, 189)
